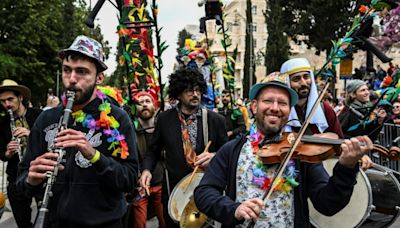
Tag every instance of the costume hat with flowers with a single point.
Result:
(9, 84)
(88, 47)
(274, 79)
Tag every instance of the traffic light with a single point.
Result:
(214, 10)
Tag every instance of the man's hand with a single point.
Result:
(203, 159)
(12, 147)
(76, 139)
(145, 178)
(366, 162)
(21, 132)
(39, 167)
(249, 209)
(353, 149)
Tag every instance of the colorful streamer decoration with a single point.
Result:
(136, 28)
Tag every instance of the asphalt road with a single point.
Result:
(7, 220)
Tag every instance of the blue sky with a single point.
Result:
(173, 15)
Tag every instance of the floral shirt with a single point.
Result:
(192, 126)
(279, 210)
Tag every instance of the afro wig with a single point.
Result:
(185, 79)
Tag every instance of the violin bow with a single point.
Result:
(336, 54)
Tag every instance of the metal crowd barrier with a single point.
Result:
(388, 136)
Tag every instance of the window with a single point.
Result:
(229, 26)
(254, 27)
(254, 43)
(254, 10)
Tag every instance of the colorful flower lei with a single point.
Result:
(109, 124)
(260, 177)
(113, 92)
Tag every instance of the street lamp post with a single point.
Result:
(249, 31)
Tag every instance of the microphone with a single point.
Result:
(90, 19)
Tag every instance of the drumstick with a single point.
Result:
(196, 168)
(147, 190)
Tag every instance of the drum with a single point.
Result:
(386, 196)
(356, 211)
(181, 195)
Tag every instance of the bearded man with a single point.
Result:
(146, 110)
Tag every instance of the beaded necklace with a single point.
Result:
(109, 125)
(260, 172)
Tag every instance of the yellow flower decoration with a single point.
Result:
(79, 116)
(113, 122)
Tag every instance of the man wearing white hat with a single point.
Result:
(15, 98)
(301, 79)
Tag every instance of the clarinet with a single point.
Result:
(52, 175)
(14, 138)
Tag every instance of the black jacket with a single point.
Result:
(348, 119)
(235, 124)
(168, 136)
(85, 196)
(5, 138)
(328, 195)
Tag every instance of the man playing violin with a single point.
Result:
(301, 80)
(235, 180)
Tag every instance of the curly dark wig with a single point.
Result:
(185, 79)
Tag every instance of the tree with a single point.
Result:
(32, 33)
(182, 36)
(248, 62)
(320, 21)
(119, 77)
(277, 51)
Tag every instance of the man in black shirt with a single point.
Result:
(180, 132)
(233, 116)
(13, 142)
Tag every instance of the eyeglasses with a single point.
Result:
(191, 91)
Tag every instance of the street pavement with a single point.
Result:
(7, 220)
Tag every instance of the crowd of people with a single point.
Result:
(117, 172)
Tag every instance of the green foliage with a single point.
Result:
(248, 65)
(321, 21)
(119, 76)
(31, 34)
(277, 44)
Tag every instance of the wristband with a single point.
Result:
(95, 158)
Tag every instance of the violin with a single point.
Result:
(393, 153)
(312, 148)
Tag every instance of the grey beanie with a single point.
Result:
(353, 85)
